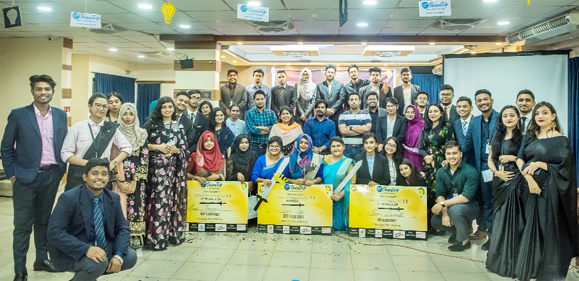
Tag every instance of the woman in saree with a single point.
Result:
(305, 166)
(266, 165)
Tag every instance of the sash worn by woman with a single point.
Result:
(305, 166)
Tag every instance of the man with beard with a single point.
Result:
(391, 125)
(446, 95)
(200, 122)
(374, 111)
(334, 93)
(283, 94)
(421, 102)
(356, 83)
(353, 124)
(320, 128)
(525, 103)
(181, 104)
(233, 93)
(478, 140)
(381, 89)
(236, 125)
(460, 126)
(258, 85)
(405, 93)
(259, 121)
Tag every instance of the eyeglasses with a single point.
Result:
(390, 145)
(196, 98)
(101, 106)
(274, 146)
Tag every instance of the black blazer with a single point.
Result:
(381, 174)
(335, 99)
(467, 156)
(399, 95)
(71, 219)
(453, 115)
(185, 120)
(399, 128)
(22, 131)
(289, 98)
(196, 128)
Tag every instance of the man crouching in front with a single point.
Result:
(87, 232)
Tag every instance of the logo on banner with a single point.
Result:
(252, 13)
(434, 8)
(85, 20)
(220, 227)
(399, 234)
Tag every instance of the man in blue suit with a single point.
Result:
(478, 140)
(464, 110)
(31, 158)
(88, 233)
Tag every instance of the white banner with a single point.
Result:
(252, 13)
(435, 8)
(85, 20)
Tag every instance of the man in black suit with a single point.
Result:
(391, 124)
(283, 94)
(88, 233)
(31, 158)
(421, 101)
(181, 105)
(334, 93)
(446, 95)
(405, 93)
(382, 90)
(356, 83)
(200, 122)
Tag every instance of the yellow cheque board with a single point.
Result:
(296, 209)
(388, 212)
(217, 206)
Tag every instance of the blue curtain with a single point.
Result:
(573, 93)
(429, 83)
(146, 94)
(106, 83)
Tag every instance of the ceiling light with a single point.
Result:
(338, 64)
(145, 6)
(170, 49)
(489, 0)
(45, 9)
(288, 64)
(300, 43)
(503, 22)
(222, 56)
(432, 44)
(385, 64)
(239, 43)
(234, 61)
(185, 26)
(498, 43)
(254, 4)
(112, 49)
(362, 24)
(141, 56)
(473, 53)
(370, 2)
(364, 43)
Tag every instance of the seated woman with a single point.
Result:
(336, 167)
(393, 153)
(266, 165)
(206, 107)
(286, 129)
(410, 176)
(373, 164)
(224, 136)
(305, 166)
(207, 164)
(240, 164)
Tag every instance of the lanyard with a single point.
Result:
(95, 142)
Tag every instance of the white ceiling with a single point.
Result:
(218, 17)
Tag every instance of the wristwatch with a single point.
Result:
(350, 128)
(120, 259)
(442, 203)
(116, 163)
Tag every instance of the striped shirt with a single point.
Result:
(355, 120)
(253, 119)
(251, 89)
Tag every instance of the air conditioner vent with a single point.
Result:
(272, 26)
(540, 28)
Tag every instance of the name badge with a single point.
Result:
(454, 195)
(487, 148)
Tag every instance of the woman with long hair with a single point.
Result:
(224, 135)
(115, 101)
(266, 165)
(393, 154)
(241, 162)
(167, 196)
(305, 166)
(411, 176)
(410, 144)
(286, 129)
(207, 163)
(306, 90)
(508, 210)
(206, 108)
(373, 163)
(550, 237)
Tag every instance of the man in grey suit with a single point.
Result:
(334, 93)
(233, 93)
(405, 93)
(283, 94)
(374, 110)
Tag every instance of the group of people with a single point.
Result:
(127, 186)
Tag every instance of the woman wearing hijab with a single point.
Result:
(207, 164)
(135, 168)
(305, 166)
(286, 129)
(306, 89)
(240, 163)
(414, 125)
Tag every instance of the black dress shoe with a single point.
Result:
(21, 277)
(452, 239)
(486, 245)
(458, 247)
(45, 265)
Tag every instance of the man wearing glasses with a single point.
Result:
(200, 122)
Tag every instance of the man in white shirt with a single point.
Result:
(200, 122)
(236, 125)
(446, 96)
(405, 93)
(421, 102)
(525, 103)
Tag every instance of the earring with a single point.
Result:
(518, 125)
(553, 125)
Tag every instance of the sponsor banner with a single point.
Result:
(296, 209)
(85, 20)
(397, 212)
(246, 12)
(217, 206)
(434, 8)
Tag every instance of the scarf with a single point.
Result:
(302, 159)
(413, 128)
(208, 160)
(306, 88)
(287, 128)
(134, 133)
(239, 156)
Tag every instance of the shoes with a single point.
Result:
(45, 265)
(487, 245)
(458, 247)
(21, 277)
(452, 239)
(435, 232)
(478, 235)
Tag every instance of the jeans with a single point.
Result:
(461, 216)
(351, 152)
(260, 149)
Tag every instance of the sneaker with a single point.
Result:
(452, 239)
(478, 235)
(458, 247)
(486, 245)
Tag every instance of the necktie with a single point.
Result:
(193, 117)
(99, 228)
(446, 112)
(524, 128)
(464, 128)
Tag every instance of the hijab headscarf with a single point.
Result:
(209, 160)
(413, 128)
(239, 156)
(134, 133)
(302, 159)
(306, 88)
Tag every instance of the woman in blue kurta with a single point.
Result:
(336, 167)
(305, 166)
(267, 164)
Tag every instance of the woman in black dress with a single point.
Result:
(508, 203)
(240, 164)
(550, 237)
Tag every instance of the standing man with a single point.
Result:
(283, 94)
(236, 125)
(478, 139)
(320, 128)
(460, 126)
(200, 122)
(391, 125)
(259, 121)
(181, 104)
(374, 111)
(421, 102)
(334, 93)
(356, 83)
(446, 95)
(233, 93)
(31, 158)
(258, 75)
(405, 93)
(353, 124)
(381, 89)
(525, 103)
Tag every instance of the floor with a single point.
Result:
(257, 256)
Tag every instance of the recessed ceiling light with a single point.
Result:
(254, 4)
(112, 49)
(489, 0)
(364, 43)
(185, 26)
(288, 64)
(370, 2)
(362, 24)
(234, 61)
(45, 9)
(385, 64)
(141, 56)
(503, 22)
(432, 44)
(170, 49)
(300, 43)
(145, 6)
(473, 52)
(499, 43)
(239, 43)
(222, 56)
(338, 64)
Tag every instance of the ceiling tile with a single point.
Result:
(478, 13)
(113, 39)
(400, 30)
(481, 3)
(249, 31)
(133, 6)
(323, 31)
(524, 12)
(369, 14)
(434, 31)
(545, 2)
(381, 4)
(123, 18)
(271, 4)
(320, 15)
(200, 5)
(410, 23)
(309, 4)
(354, 24)
(316, 24)
(405, 13)
(361, 31)
(213, 15)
